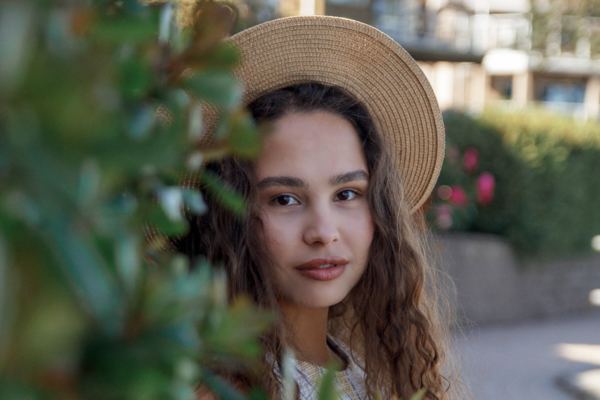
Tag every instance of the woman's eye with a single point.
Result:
(285, 200)
(345, 195)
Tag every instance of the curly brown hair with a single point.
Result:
(391, 318)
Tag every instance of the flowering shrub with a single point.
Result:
(461, 190)
(485, 188)
(529, 177)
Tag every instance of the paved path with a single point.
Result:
(522, 361)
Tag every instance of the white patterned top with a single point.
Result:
(350, 381)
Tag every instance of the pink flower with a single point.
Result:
(485, 188)
(470, 160)
(443, 214)
(444, 192)
(458, 197)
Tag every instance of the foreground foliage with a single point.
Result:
(98, 117)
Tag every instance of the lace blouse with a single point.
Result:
(350, 381)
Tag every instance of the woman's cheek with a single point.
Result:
(277, 232)
(360, 222)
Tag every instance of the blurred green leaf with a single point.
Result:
(223, 56)
(89, 181)
(51, 314)
(178, 303)
(419, 395)
(288, 370)
(184, 392)
(136, 80)
(222, 388)
(88, 274)
(11, 390)
(59, 35)
(193, 200)
(167, 226)
(166, 17)
(125, 30)
(193, 163)
(41, 167)
(237, 330)
(23, 207)
(127, 250)
(3, 161)
(171, 200)
(220, 88)
(184, 333)
(122, 204)
(135, 6)
(5, 300)
(180, 266)
(196, 283)
(258, 394)
(127, 156)
(195, 123)
(223, 192)
(142, 121)
(243, 137)
(17, 20)
(327, 388)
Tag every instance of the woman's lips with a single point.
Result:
(311, 268)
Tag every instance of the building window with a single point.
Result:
(351, 3)
(563, 92)
(501, 87)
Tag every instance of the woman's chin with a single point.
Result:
(319, 301)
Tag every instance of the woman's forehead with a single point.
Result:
(311, 145)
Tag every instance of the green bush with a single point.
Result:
(98, 118)
(546, 170)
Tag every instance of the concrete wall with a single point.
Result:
(493, 287)
(459, 86)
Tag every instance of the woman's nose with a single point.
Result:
(321, 227)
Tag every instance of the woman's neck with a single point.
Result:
(308, 332)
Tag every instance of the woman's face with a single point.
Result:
(312, 183)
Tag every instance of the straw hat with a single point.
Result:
(366, 63)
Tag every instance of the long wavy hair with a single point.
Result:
(391, 318)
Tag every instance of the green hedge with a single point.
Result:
(547, 172)
(98, 119)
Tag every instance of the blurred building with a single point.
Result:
(479, 52)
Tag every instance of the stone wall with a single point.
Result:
(493, 287)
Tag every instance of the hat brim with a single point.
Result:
(366, 63)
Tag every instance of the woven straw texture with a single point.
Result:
(366, 63)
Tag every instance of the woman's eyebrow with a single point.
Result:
(281, 181)
(289, 181)
(358, 175)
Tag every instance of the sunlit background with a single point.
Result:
(516, 212)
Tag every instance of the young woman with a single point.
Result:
(331, 242)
